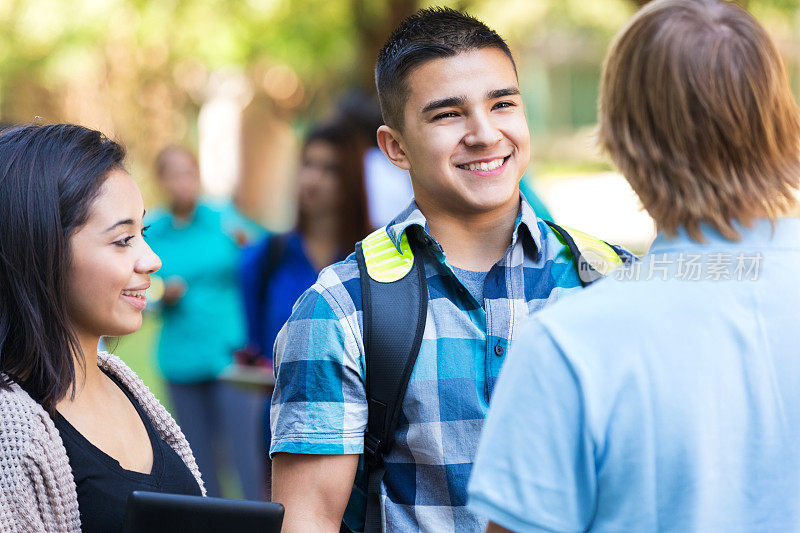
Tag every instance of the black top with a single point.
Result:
(103, 485)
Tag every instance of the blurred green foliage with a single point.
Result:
(324, 41)
(140, 69)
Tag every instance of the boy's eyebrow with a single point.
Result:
(455, 101)
(452, 101)
(500, 93)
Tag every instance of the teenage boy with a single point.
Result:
(454, 119)
(693, 424)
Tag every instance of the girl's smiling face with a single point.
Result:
(110, 262)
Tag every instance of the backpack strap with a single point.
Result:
(267, 263)
(394, 294)
(594, 258)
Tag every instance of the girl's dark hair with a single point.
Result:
(354, 221)
(49, 177)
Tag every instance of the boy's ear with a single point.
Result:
(391, 143)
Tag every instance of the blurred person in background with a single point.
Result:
(79, 431)
(388, 187)
(203, 324)
(668, 399)
(331, 218)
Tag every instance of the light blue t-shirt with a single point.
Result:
(665, 399)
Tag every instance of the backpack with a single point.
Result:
(394, 295)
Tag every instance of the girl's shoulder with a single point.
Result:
(36, 486)
(23, 422)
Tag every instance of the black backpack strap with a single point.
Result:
(594, 258)
(394, 315)
(268, 262)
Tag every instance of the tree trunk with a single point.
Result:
(374, 24)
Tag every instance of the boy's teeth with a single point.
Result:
(484, 166)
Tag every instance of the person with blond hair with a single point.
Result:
(667, 398)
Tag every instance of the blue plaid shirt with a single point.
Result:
(319, 405)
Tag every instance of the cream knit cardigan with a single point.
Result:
(37, 490)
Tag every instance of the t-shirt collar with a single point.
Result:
(783, 232)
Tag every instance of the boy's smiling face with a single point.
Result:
(465, 139)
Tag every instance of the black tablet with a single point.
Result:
(154, 512)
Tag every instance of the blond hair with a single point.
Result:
(696, 112)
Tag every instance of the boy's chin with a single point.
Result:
(486, 203)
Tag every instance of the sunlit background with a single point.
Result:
(240, 80)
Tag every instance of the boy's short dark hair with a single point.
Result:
(428, 34)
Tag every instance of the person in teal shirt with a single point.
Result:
(203, 322)
(201, 259)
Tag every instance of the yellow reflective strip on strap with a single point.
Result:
(597, 253)
(384, 262)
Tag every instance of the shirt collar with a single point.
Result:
(784, 232)
(528, 220)
(412, 216)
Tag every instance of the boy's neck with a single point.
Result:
(473, 241)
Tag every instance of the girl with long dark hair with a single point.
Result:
(79, 431)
